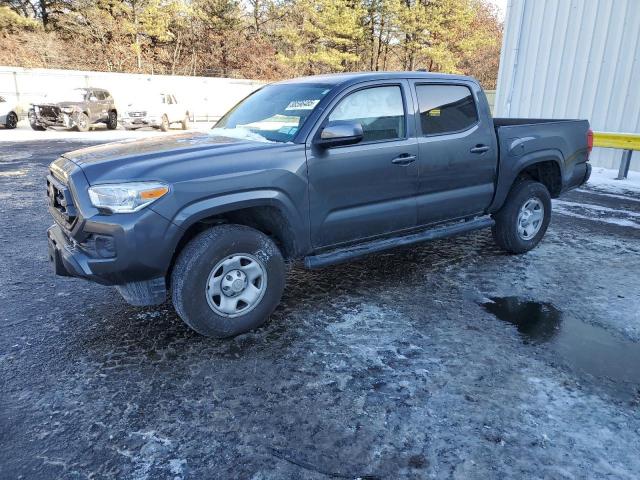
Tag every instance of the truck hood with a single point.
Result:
(160, 146)
(59, 104)
(133, 159)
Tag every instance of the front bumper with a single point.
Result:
(114, 249)
(61, 120)
(140, 122)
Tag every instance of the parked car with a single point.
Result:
(80, 108)
(157, 111)
(323, 169)
(8, 113)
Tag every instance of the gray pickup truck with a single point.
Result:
(323, 169)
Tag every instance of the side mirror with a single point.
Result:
(340, 133)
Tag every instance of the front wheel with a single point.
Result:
(82, 122)
(523, 219)
(164, 125)
(227, 280)
(185, 122)
(34, 123)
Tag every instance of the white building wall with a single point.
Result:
(205, 96)
(573, 59)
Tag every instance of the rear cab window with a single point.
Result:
(445, 108)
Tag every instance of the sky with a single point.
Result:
(502, 7)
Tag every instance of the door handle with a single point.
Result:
(479, 149)
(404, 159)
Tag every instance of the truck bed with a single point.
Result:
(524, 141)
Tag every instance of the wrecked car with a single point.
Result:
(320, 169)
(156, 111)
(79, 109)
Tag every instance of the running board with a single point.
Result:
(345, 254)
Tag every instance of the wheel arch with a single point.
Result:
(544, 166)
(268, 212)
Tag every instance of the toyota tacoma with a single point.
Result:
(321, 169)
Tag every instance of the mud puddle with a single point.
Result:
(583, 347)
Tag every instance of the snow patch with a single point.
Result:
(598, 208)
(605, 179)
(14, 173)
(610, 220)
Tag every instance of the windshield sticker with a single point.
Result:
(302, 105)
(288, 130)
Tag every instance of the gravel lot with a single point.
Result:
(396, 366)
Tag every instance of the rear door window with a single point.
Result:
(380, 111)
(445, 108)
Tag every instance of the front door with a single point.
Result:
(367, 189)
(458, 152)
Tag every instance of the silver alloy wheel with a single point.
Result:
(82, 122)
(530, 218)
(236, 285)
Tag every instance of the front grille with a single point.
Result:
(58, 193)
(49, 112)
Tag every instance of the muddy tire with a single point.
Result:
(523, 219)
(185, 122)
(34, 125)
(11, 121)
(82, 122)
(164, 126)
(112, 120)
(227, 280)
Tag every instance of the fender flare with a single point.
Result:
(209, 207)
(509, 170)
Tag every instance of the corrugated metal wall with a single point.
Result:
(573, 59)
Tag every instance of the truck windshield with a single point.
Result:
(274, 113)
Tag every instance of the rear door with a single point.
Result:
(99, 106)
(367, 189)
(458, 151)
(178, 111)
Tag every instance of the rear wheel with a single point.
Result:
(227, 280)
(11, 121)
(112, 121)
(523, 220)
(164, 126)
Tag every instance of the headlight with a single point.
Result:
(67, 110)
(126, 197)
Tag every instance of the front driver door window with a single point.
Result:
(363, 190)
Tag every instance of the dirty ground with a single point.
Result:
(447, 360)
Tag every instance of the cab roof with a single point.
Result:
(357, 77)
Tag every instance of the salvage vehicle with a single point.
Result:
(79, 109)
(8, 113)
(322, 169)
(158, 111)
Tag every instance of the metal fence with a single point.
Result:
(628, 142)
